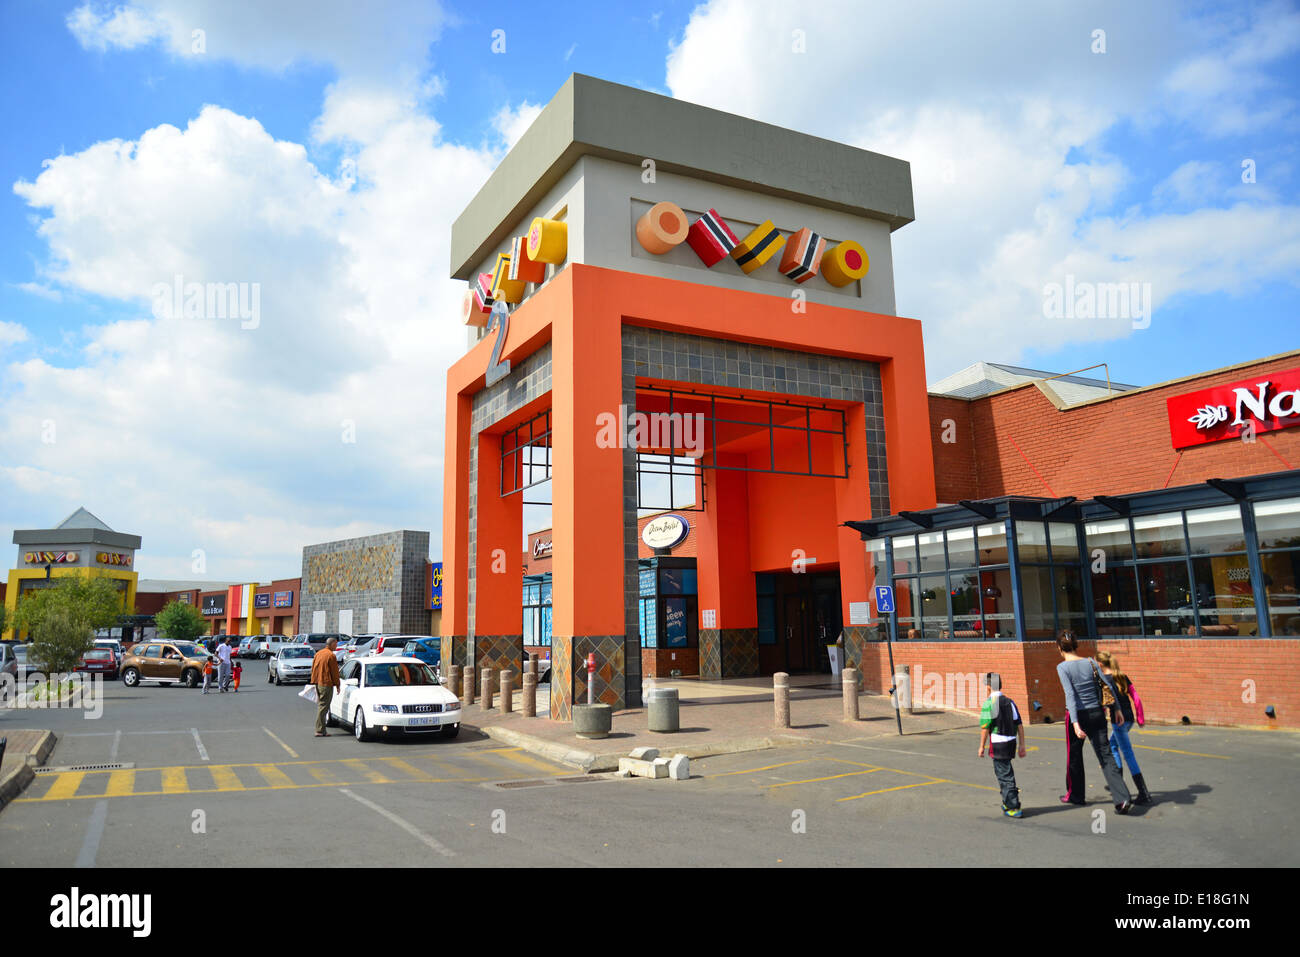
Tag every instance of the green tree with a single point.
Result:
(61, 639)
(180, 621)
(4, 619)
(96, 602)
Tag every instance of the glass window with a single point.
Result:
(929, 547)
(688, 581)
(1166, 598)
(1070, 610)
(670, 581)
(1216, 530)
(649, 624)
(647, 578)
(934, 607)
(1282, 586)
(967, 621)
(905, 555)
(1224, 596)
(1278, 523)
(876, 572)
(1031, 541)
(546, 590)
(1111, 538)
(1065, 543)
(997, 602)
(1036, 600)
(992, 544)
(765, 584)
(1115, 600)
(545, 638)
(907, 600)
(961, 547)
(676, 632)
(1158, 536)
(766, 619)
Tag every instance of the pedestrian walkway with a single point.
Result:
(465, 766)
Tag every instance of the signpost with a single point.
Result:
(885, 606)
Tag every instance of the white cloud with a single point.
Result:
(11, 333)
(125, 27)
(1002, 114)
(512, 122)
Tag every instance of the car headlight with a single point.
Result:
(452, 707)
(386, 708)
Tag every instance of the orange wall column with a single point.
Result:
(498, 566)
(725, 579)
(587, 505)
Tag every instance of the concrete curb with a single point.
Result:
(593, 763)
(16, 779)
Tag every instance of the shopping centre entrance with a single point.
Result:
(799, 616)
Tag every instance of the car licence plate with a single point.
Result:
(424, 721)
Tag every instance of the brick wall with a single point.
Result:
(1103, 448)
(1202, 678)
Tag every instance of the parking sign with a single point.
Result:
(885, 599)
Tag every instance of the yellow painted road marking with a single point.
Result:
(1194, 754)
(369, 773)
(83, 797)
(846, 774)
(65, 785)
(917, 774)
(275, 778)
(224, 777)
(324, 775)
(120, 783)
(770, 767)
(517, 755)
(406, 767)
(901, 787)
(173, 781)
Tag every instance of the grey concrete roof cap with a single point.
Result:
(598, 118)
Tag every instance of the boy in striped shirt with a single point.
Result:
(1000, 731)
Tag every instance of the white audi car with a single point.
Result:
(395, 695)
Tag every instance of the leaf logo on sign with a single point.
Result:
(1209, 415)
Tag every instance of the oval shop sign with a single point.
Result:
(666, 531)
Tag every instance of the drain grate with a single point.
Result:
(522, 784)
(580, 780)
(83, 767)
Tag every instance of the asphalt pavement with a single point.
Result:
(170, 777)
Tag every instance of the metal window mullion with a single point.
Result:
(1263, 620)
(1191, 575)
(1017, 586)
(1086, 580)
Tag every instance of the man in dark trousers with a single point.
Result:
(325, 676)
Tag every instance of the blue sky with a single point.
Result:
(323, 151)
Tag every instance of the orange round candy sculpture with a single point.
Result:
(662, 227)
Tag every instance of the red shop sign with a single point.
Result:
(1264, 404)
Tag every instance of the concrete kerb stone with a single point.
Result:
(15, 778)
(593, 763)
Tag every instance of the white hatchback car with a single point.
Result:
(393, 694)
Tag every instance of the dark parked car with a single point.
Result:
(101, 660)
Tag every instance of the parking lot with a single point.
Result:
(171, 777)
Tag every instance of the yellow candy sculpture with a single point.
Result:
(844, 263)
(758, 247)
(548, 240)
(503, 287)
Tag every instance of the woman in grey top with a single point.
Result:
(1086, 720)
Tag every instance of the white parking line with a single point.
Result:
(198, 743)
(292, 752)
(94, 831)
(867, 747)
(117, 742)
(404, 825)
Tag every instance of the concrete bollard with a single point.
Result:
(467, 685)
(530, 694)
(453, 679)
(507, 691)
(903, 696)
(781, 698)
(532, 665)
(485, 689)
(849, 688)
(663, 710)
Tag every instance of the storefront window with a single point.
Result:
(998, 602)
(1070, 610)
(961, 547)
(676, 623)
(992, 543)
(1065, 543)
(1111, 538)
(934, 606)
(765, 585)
(1036, 600)
(907, 599)
(905, 555)
(967, 622)
(1277, 524)
(649, 623)
(1224, 596)
(1031, 541)
(1216, 530)
(1115, 599)
(1166, 598)
(1159, 536)
(929, 548)
(1282, 585)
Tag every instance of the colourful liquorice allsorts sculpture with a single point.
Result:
(802, 256)
(662, 227)
(548, 240)
(523, 268)
(758, 247)
(711, 238)
(478, 301)
(844, 263)
(503, 287)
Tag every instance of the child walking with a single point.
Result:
(1130, 706)
(1000, 731)
(238, 670)
(208, 669)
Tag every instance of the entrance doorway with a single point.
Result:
(801, 617)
